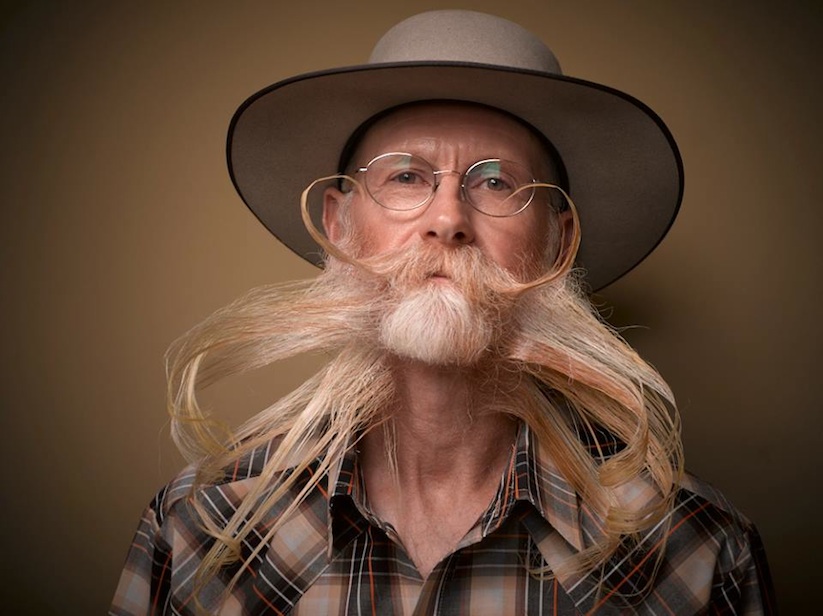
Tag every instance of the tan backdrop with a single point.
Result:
(121, 230)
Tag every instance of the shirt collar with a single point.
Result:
(538, 481)
(532, 488)
(349, 514)
(531, 477)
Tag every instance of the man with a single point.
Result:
(480, 442)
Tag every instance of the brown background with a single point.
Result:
(121, 229)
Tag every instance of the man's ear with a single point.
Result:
(332, 202)
(565, 222)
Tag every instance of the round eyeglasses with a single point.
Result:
(402, 181)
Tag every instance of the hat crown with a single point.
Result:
(464, 36)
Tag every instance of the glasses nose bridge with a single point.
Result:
(440, 172)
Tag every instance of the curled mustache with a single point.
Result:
(394, 274)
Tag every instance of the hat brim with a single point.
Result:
(624, 169)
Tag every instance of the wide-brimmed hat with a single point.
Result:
(624, 170)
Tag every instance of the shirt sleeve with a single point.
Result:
(144, 583)
(747, 588)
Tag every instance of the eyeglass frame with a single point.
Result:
(463, 191)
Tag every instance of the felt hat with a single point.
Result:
(623, 167)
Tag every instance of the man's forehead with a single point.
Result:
(450, 123)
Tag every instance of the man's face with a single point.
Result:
(450, 137)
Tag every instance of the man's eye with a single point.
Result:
(496, 184)
(407, 177)
(493, 184)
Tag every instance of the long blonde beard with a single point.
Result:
(548, 339)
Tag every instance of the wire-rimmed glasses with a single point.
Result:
(508, 202)
(494, 186)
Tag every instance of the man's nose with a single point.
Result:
(448, 217)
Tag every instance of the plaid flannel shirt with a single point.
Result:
(334, 556)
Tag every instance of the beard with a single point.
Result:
(436, 325)
(541, 356)
(437, 306)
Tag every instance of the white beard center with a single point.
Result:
(436, 325)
